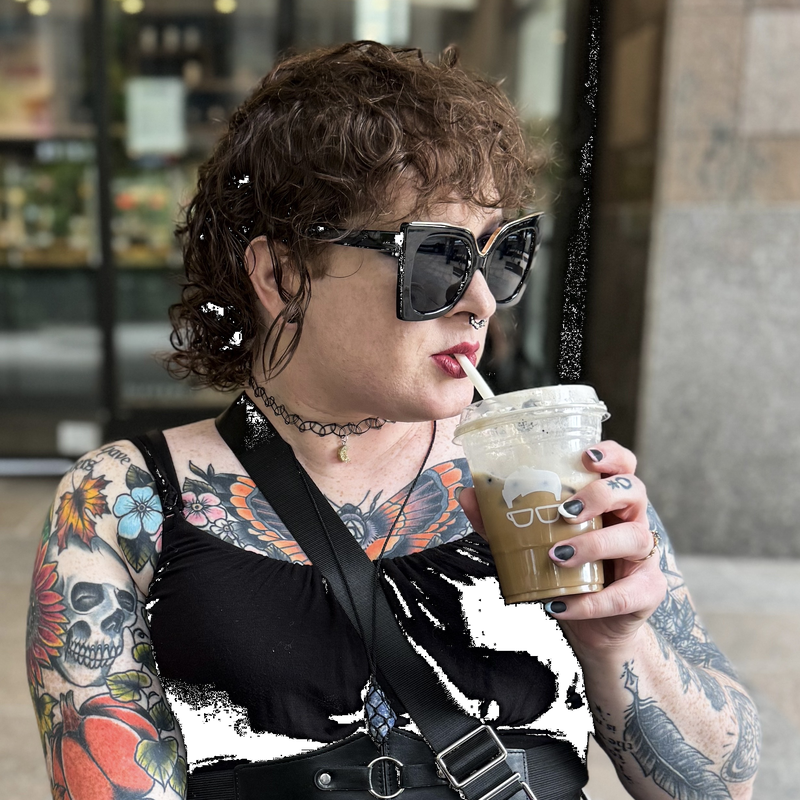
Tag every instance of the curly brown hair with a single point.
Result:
(326, 137)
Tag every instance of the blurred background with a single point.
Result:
(675, 123)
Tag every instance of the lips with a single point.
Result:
(446, 359)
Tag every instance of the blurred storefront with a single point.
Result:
(693, 203)
(106, 109)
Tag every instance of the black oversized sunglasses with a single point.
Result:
(436, 261)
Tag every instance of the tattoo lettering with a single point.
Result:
(619, 483)
(84, 465)
(610, 738)
(116, 454)
(663, 753)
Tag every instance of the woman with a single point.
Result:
(170, 602)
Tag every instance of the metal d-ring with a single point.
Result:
(398, 765)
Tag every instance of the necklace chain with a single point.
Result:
(321, 429)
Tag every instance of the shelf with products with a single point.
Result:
(48, 207)
(47, 203)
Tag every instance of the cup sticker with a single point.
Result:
(525, 481)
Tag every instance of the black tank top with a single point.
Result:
(259, 660)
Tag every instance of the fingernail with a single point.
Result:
(595, 455)
(555, 607)
(570, 509)
(564, 552)
(457, 491)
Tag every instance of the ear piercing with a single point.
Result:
(476, 323)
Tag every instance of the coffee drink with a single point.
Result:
(522, 533)
(524, 451)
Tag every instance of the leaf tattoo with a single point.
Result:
(178, 780)
(74, 510)
(662, 752)
(127, 686)
(158, 759)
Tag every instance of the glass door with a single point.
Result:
(50, 349)
(85, 285)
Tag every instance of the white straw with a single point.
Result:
(477, 381)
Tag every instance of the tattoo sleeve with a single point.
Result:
(655, 737)
(105, 726)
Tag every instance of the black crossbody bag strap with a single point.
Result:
(469, 753)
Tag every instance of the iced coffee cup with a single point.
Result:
(524, 451)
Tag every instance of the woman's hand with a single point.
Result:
(634, 583)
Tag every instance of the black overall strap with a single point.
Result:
(469, 753)
(155, 451)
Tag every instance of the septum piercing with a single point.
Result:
(476, 323)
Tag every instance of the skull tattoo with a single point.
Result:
(98, 611)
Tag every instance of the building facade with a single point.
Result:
(691, 335)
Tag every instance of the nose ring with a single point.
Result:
(476, 323)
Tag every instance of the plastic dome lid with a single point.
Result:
(539, 400)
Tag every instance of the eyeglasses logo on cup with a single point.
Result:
(436, 261)
(523, 518)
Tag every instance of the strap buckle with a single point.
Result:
(498, 759)
(505, 784)
(398, 766)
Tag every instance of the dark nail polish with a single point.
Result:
(564, 551)
(555, 607)
(595, 455)
(573, 507)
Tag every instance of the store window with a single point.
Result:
(71, 374)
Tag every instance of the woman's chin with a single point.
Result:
(441, 404)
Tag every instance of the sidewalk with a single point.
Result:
(757, 625)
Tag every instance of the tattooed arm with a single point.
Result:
(106, 728)
(673, 713)
(668, 707)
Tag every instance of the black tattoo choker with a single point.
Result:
(321, 429)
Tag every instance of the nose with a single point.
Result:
(477, 299)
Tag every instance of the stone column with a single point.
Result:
(719, 405)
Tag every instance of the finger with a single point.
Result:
(609, 458)
(469, 502)
(630, 540)
(638, 594)
(624, 494)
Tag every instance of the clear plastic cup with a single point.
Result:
(524, 451)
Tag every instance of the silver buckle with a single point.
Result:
(398, 765)
(505, 784)
(493, 763)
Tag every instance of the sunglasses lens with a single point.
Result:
(508, 263)
(440, 263)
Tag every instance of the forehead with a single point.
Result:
(408, 206)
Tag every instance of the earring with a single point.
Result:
(476, 323)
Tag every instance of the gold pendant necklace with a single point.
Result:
(342, 451)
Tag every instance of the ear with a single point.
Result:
(259, 258)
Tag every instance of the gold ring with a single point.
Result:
(656, 542)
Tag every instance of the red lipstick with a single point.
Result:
(446, 360)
